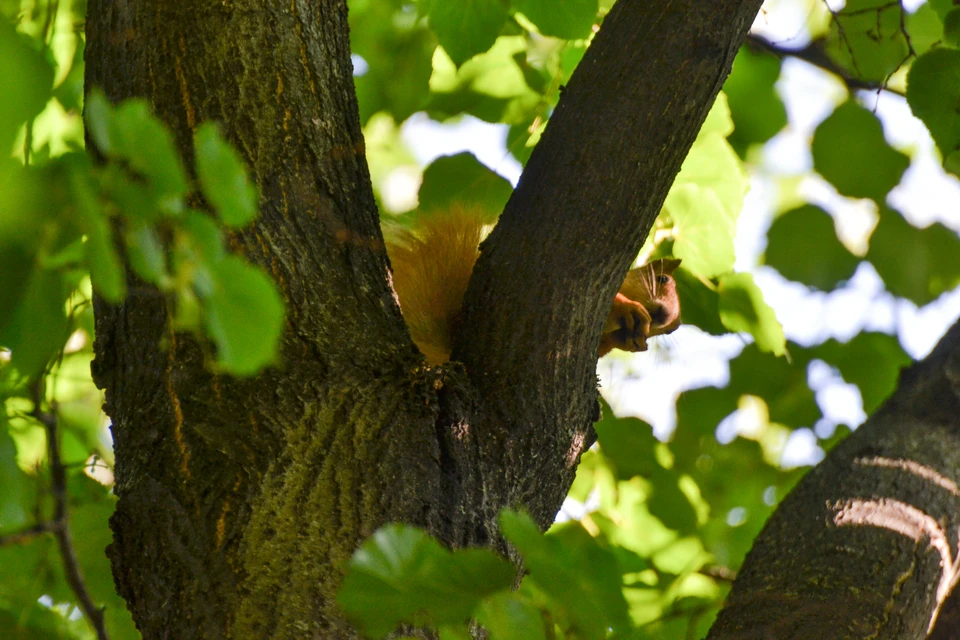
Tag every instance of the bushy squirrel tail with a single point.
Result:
(431, 270)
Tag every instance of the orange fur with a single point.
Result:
(432, 267)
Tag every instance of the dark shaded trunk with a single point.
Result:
(241, 500)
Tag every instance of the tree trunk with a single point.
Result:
(866, 545)
(241, 500)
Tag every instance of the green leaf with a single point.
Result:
(465, 29)
(850, 139)
(867, 39)
(146, 253)
(951, 28)
(925, 28)
(933, 91)
(401, 574)
(223, 177)
(567, 19)
(142, 140)
(97, 116)
(628, 443)
(462, 178)
(755, 106)
(398, 50)
(704, 239)
(669, 503)
(713, 165)
(243, 315)
(872, 361)
(106, 271)
(204, 234)
(780, 383)
(577, 573)
(917, 264)
(26, 80)
(742, 308)
(13, 482)
(38, 327)
(699, 303)
(802, 245)
(506, 616)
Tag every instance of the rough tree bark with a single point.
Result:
(868, 543)
(240, 500)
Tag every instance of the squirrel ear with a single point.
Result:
(669, 265)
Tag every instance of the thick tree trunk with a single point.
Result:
(241, 500)
(866, 545)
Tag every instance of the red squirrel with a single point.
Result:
(432, 265)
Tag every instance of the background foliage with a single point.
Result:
(656, 525)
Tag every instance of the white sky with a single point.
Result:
(647, 384)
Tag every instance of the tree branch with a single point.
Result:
(60, 524)
(587, 199)
(814, 54)
(882, 507)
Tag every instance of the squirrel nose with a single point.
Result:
(658, 314)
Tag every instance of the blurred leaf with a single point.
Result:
(223, 177)
(490, 86)
(866, 38)
(401, 574)
(466, 29)
(506, 616)
(398, 51)
(742, 308)
(243, 315)
(933, 90)
(924, 28)
(782, 385)
(205, 234)
(628, 443)
(37, 329)
(848, 140)
(669, 503)
(802, 245)
(13, 483)
(916, 264)
(755, 106)
(26, 80)
(462, 178)
(872, 361)
(140, 138)
(98, 115)
(567, 19)
(574, 570)
(146, 253)
(106, 271)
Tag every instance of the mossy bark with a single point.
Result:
(241, 500)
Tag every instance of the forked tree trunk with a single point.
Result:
(241, 500)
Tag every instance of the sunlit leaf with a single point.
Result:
(466, 29)
(742, 308)
(568, 19)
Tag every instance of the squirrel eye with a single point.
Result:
(662, 279)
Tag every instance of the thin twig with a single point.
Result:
(58, 482)
(719, 572)
(814, 54)
(25, 535)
